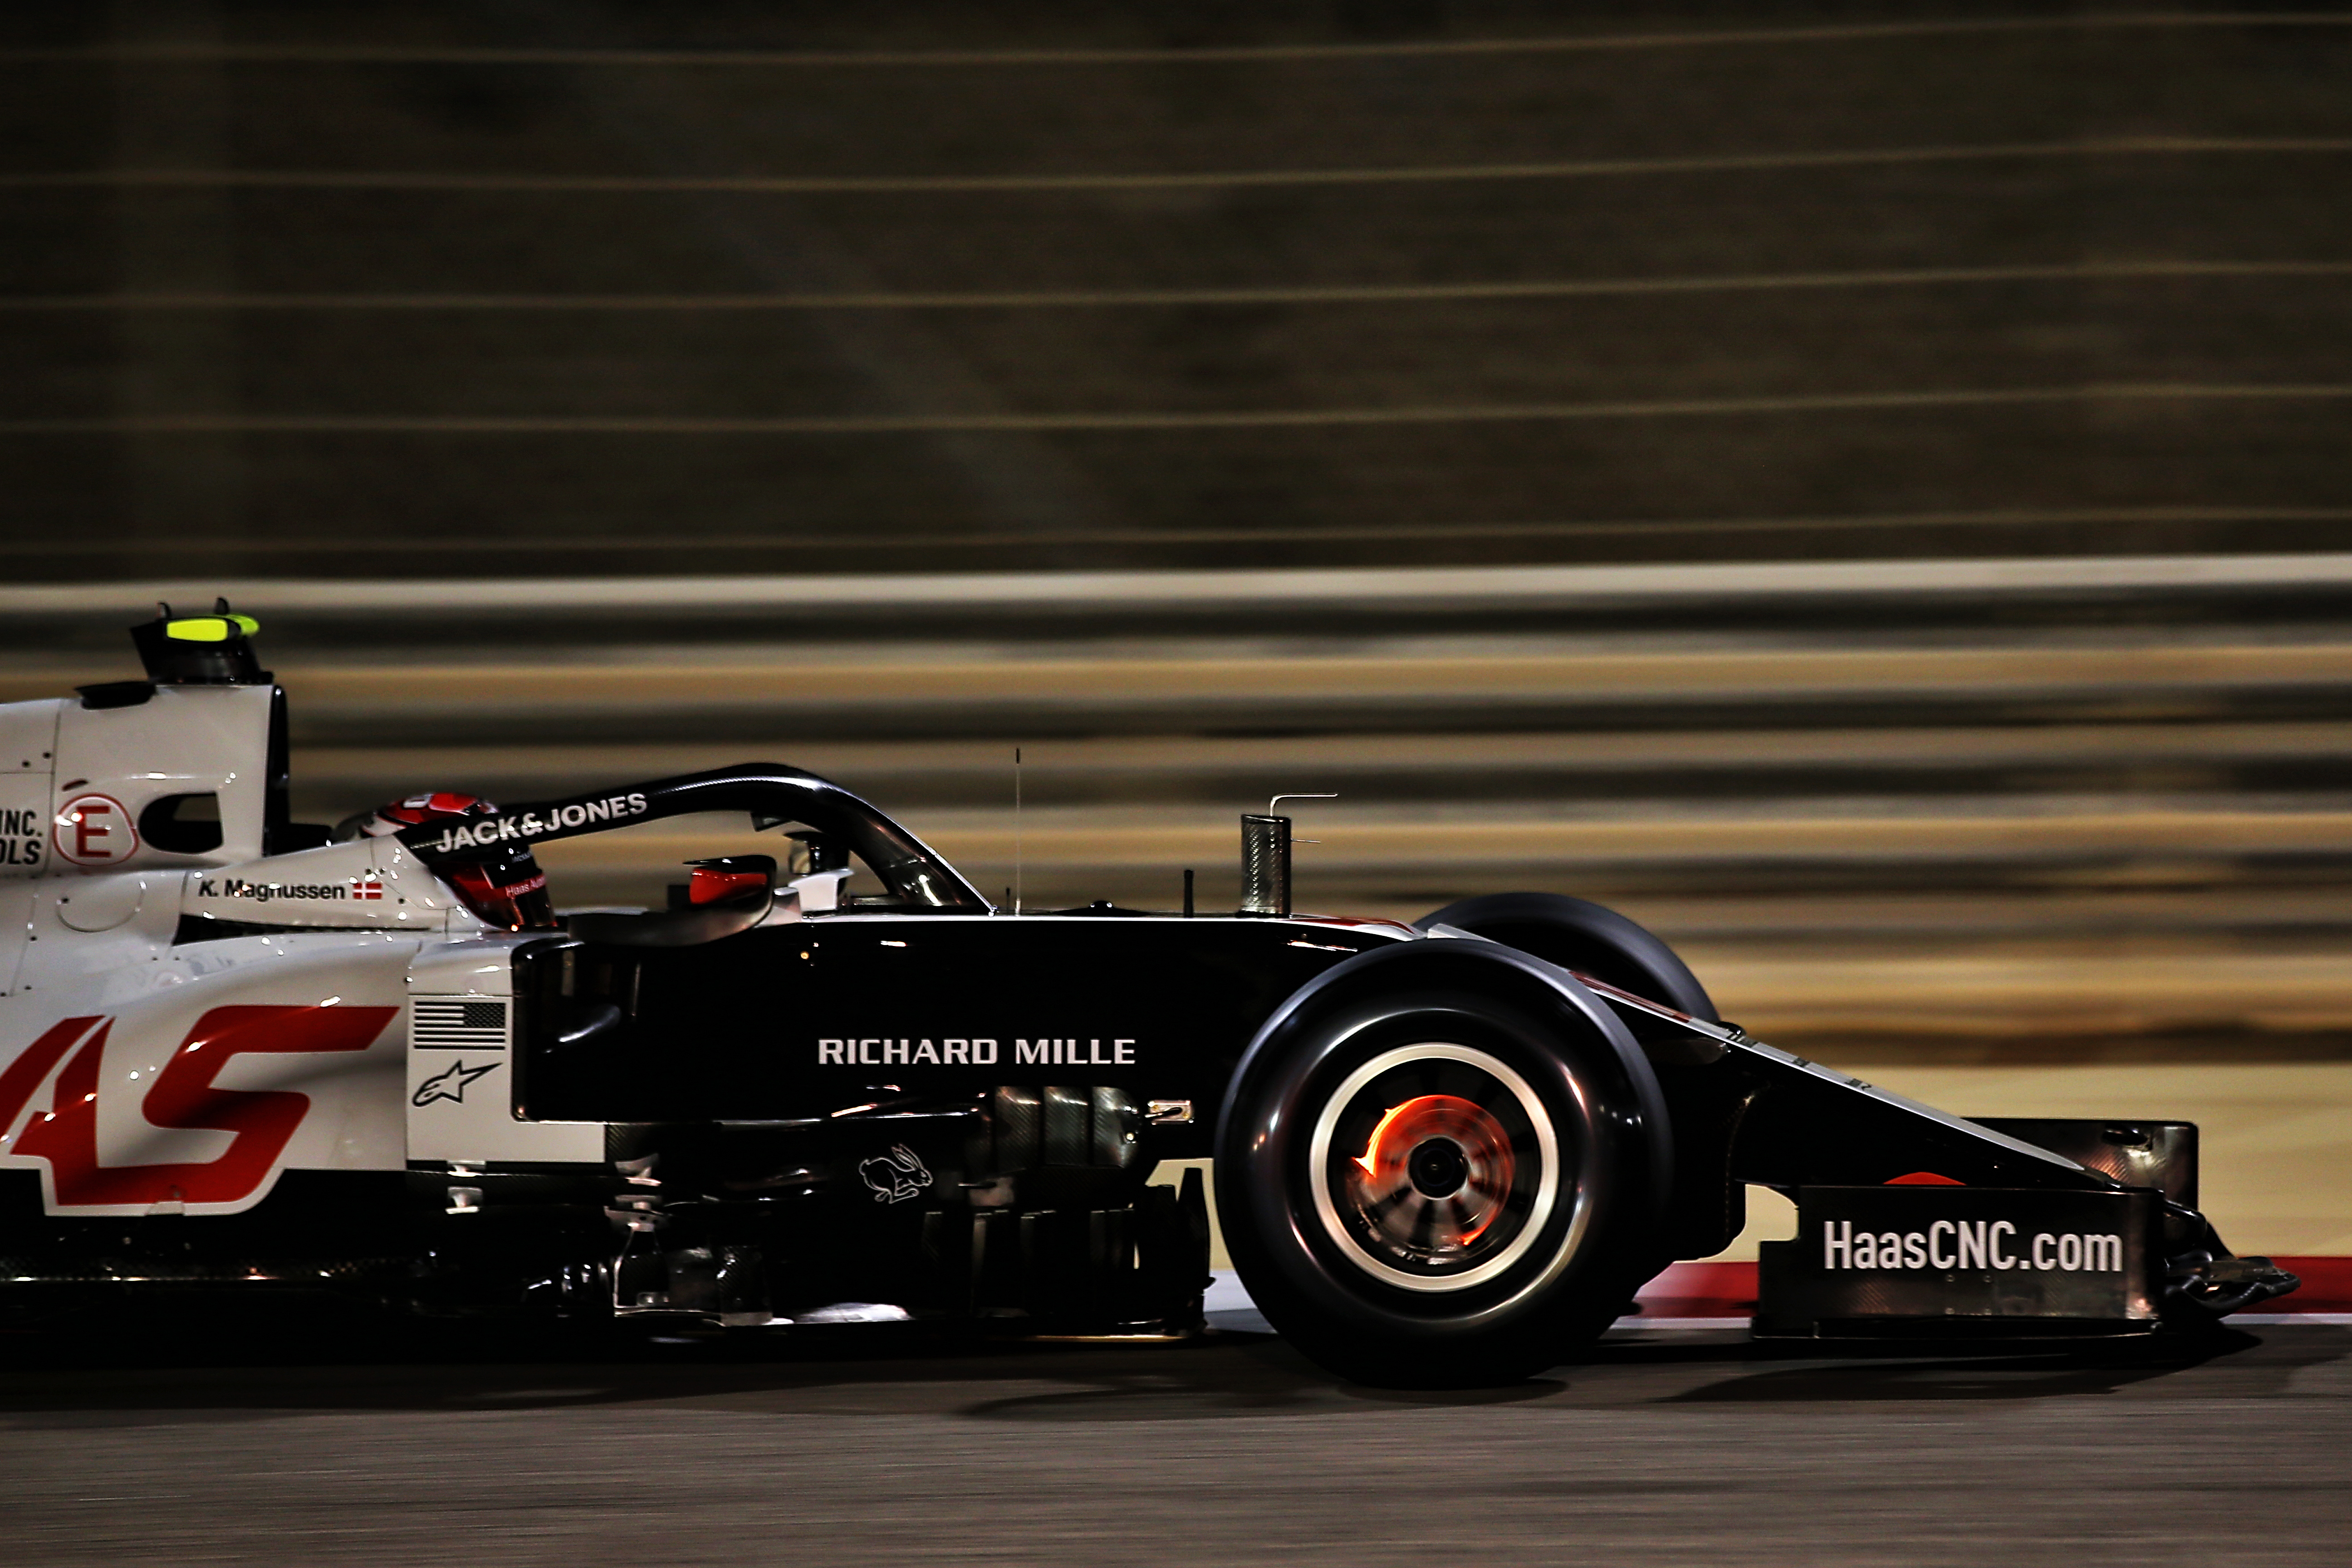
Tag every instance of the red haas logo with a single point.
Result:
(183, 1095)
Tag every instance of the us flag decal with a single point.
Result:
(466, 1023)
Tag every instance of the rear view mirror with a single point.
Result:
(814, 852)
(729, 894)
(730, 873)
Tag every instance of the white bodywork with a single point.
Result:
(144, 1076)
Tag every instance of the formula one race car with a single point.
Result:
(831, 1081)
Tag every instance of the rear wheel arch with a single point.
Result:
(1579, 934)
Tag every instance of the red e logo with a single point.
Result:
(94, 830)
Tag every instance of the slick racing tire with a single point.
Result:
(1445, 1172)
(1584, 937)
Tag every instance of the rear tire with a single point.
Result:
(1441, 1187)
(1583, 936)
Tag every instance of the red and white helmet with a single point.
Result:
(506, 888)
(437, 806)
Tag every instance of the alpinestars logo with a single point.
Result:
(897, 1176)
(450, 1084)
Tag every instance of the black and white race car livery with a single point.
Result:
(236, 1049)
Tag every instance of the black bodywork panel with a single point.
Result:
(800, 1020)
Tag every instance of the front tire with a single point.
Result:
(1447, 1186)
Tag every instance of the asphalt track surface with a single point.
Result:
(186, 1443)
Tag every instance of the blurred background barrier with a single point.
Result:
(559, 286)
(1862, 491)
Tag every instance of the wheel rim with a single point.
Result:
(1434, 1167)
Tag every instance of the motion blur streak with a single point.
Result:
(564, 287)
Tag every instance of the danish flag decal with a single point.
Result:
(183, 1096)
